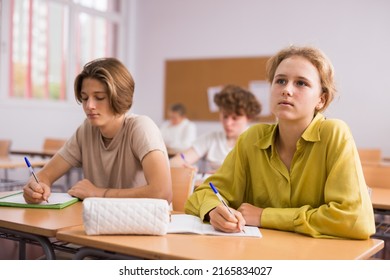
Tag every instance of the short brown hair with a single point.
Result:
(235, 99)
(317, 58)
(117, 79)
(178, 108)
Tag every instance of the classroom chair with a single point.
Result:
(378, 176)
(5, 146)
(53, 144)
(370, 155)
(5, 183)
(182, 186)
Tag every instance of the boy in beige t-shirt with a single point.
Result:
(121, 156)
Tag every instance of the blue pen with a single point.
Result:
(183, 157)
(220, 197)
(32, 171)
(223, 201)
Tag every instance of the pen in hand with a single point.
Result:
(221, 199)
(183, 157)
(32, 172)
(186, 163)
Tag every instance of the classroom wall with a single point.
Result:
(353, 33)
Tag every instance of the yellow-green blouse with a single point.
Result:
(324, 193)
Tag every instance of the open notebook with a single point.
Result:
(183, 223)
(56, 201)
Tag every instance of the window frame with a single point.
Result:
(74, 10)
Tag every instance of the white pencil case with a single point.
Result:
(144, 216)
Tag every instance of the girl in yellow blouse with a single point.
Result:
(302, 174)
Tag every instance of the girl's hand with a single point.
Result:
(221, 219)
(251, 214)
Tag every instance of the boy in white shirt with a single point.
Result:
(237, 107)
(178, 132)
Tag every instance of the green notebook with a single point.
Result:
(56, 201)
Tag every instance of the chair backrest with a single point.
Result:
(182, 186)
(5, 146)
(53, 144)
(377, 175)
(370, 155)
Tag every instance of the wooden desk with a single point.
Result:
(39, 224)
(18, 162)
(380, 198)
(66, 225)
(273, 245)
(45, 156)
(34, 153)
(13, 162)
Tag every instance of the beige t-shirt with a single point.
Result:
(119, 164)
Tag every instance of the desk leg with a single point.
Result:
(43, 241)
(86, 252)
(22, 249)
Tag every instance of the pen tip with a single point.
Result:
(27, 161)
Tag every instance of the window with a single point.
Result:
(47, 42)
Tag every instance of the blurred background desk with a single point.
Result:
(13, 162)
(49, 148)
(18, 162)
(380, 198)
(34, 153)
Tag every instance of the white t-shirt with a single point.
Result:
(178, 137)
(213, 148)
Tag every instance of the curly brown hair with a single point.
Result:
(234, 99)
